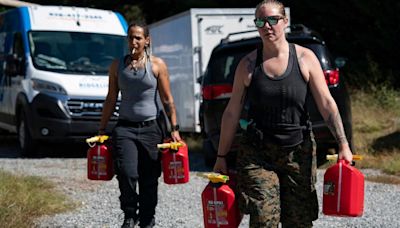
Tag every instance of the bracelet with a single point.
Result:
(221, 156)
(175, 127)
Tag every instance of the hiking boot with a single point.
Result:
(129, 223)
(151, 224)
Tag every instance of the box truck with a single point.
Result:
(54, 75)
(185, 42)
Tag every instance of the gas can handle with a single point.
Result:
(215, 177)
(333, 157)
(96, 139)
(170, 145)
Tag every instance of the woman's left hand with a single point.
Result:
(345, 152)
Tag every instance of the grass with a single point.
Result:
(376, 132)
(25, 198)
(376, 126)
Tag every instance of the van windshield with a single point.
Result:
(75, 53)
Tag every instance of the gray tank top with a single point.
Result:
(138, 93)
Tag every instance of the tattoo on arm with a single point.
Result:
(251, 64)
(243, 99)
(169, 109)
(335, 124)
(300, 58)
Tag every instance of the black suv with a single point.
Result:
(217, 83)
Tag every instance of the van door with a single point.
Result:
(11, 75)
(15, 80)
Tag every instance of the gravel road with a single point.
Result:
(179, 205)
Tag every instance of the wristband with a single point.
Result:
(221, 156)
(175, 127)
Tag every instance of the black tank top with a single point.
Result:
(278, 105)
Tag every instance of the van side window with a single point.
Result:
(16, 62)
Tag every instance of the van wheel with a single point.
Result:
(209, 153)
(26, 143)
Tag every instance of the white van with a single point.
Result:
(54, 71)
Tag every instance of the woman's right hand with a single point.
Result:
(220, 165)
(175, 136)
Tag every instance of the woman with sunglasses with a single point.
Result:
(276, 164)
(140, 77)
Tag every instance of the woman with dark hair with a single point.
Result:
(276, 164)
(140, 77)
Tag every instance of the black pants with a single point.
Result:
(136, 161)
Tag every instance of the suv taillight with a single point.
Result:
(212, 92)
(332, 77)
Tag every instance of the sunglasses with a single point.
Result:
(272, 20)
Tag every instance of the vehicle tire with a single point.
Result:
(210, 155)
(26, 143)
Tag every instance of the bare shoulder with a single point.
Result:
(114, 66)
(158, 65)
(157, 61)
(248, 62)
(246, 67)
(304, 55)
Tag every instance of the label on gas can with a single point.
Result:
(218, 209)
(176, 170)
(99, 165)
(329, 188)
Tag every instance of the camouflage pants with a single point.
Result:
(277, 184)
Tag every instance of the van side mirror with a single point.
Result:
(14, 65)
(340, 62)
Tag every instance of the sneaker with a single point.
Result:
(129, 223)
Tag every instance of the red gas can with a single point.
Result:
(99, 159)
(343, 190)
(219, 205)
(175, 162)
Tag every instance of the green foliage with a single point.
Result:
(132, 13)
(387, 97)
(23, 199)
(376, 127)
(393, 165)
(363, 31)
(375, 109)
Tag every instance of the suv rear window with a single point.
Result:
(223, 63)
